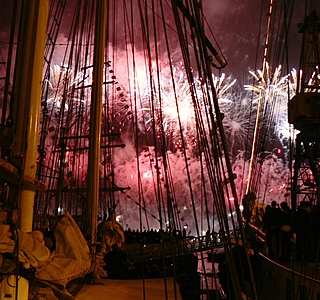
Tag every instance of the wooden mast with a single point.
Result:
(27, 89)
(96, 119)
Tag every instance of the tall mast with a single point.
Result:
(27, 89)
(96, 118)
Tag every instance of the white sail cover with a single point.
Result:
(71, 257)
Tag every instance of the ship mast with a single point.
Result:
(96, 119)
(27, 99)
(21, 129)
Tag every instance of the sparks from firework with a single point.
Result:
(62, 109)
(275, 90)
(167, 101)
(237, 121)
(233, 122)
(235, 108)
(273, 182)
(150, 167)
(273, 85)
(223, 86)
(62, 80)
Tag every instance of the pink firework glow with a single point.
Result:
(145, 174)
(153, 98)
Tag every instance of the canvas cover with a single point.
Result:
(71, 257)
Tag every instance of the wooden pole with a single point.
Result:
(27, 89)
(96, 118)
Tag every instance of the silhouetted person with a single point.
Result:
(116, 263)
(301, 226)
(184, 232)
(285, 232)
(272, 224)
(207, 237)
(315, 230)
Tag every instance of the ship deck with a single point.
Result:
(132, 289)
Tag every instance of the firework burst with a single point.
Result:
(164, 102)
(275, 90)
(61, 84)
(237, 120)
(272, 86)
(167, 102)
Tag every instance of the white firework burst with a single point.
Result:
(169, 105)
(237, 120)
(61, 83)
(272, 85)
(275, 90)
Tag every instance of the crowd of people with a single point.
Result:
(154, 236)
(151, 236)
(289, 234)
(292, 234)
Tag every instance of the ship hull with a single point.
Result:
(287, 280)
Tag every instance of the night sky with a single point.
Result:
(241, 34)
(235, 26)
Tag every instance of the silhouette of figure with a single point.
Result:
(301, 226)
(285, 232)
(207, 237)
(315, 230)
(116, 263)
(272, 224)
(184, 231)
